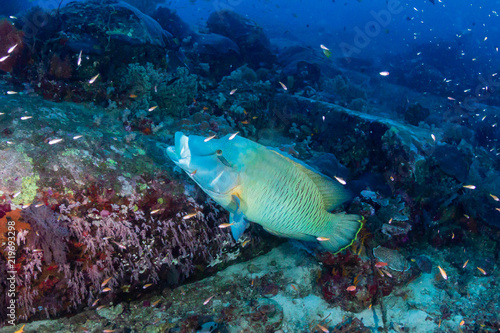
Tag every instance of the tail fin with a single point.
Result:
(341, 232)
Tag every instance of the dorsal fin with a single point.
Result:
(333, 193)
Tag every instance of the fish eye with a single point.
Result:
(218, 152)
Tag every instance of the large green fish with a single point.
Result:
(266, 186)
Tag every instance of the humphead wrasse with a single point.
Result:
(259, 184)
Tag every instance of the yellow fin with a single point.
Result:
(332, 192)
(342, 231)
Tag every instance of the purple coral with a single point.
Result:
(47, 233)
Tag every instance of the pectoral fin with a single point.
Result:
(237, 219)
(239, 224)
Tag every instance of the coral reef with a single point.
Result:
(96, 206)
(11, 37)
(68, 56)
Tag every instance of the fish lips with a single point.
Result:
(180, 154)
(213, 174)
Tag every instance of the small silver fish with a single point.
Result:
(233, 136)
(12, 48)
(188, 216)
(92, 80)
(54, 141)
(209, 138)
(79, 62)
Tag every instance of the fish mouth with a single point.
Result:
(180, 154)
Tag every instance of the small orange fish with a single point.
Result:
(105, 290)
(462, 323)
(155, 211)
(105, 282)
(470, 187)
(283, 86)
(370, 307)
(245, 122)
(188, 216)
(233, 91)
(294, 288)
(494, 197)
(155, 303)
(323, 239)
(205, 108)
(225, 225)
(465, 265)
(254, 117)
(109, 331)
(482, 270)
(146, 286)
(133, 96)
(443, 273)
(380, 264)
(351, 288)
(152, 108)
(95, 302)
(194, 172)
(323, 328)
(100, 307)
(208, 300)
(245, 243)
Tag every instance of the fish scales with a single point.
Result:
(296, 197)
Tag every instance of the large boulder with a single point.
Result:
(250, 38)
(70, 49)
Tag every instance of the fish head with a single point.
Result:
(215, 164)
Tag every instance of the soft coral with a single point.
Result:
(10, 36)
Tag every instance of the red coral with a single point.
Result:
(10, 36)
